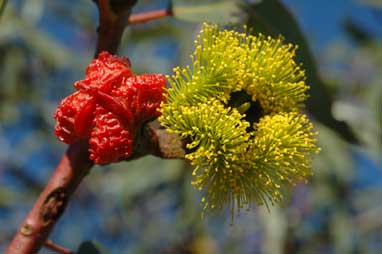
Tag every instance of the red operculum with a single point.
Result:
(107, 70)
(147, 97)
(65, 116)
(110, 140)
(115, 106)
(109, 107)
(84, 119)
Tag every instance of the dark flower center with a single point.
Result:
(253, 113)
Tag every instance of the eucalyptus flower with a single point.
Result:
(238, 107)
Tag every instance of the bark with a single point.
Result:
(50, 205)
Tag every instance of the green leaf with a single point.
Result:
(377, 4)
(90, 247)
(272, 18)
(3, 3)
(55, 53)
(222, 12)
(356, 33)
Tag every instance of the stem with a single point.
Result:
(54, 247)
(50, 205)
(148, 16)
(75, 163)
(113, 19)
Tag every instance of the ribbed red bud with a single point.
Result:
(108, 108)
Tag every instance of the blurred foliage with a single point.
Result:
(372, 3)
(89, 247)
(2, 6)
(148, 205)
(221, 11)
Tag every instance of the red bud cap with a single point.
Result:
(108, 108)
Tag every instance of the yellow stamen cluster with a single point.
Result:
(280, 154)
(235, 164)
(227, 61)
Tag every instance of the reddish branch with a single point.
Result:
(148, 16)
(54, 247)
(113, 19)
(115, 16)
(75, 165)
(52, 201)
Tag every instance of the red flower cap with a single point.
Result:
(108, 108)
(107, 70)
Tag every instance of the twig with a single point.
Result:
(148, 16)
(54, 247)
(113, 19)
(52, 202)
(75, 164)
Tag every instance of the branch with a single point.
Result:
(156, 140)
(52, 202)
(148, 16)
(54, 247)
(75, 164)
(113, 19)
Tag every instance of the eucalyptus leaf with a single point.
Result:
(356, 33)
(55, 53)
(222, 12)
(271, 17)
(90, 247)
(32, 11)
(3, 3)
(372, 3)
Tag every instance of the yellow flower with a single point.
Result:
(238, 107)
(280, 154)
(228, 61)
